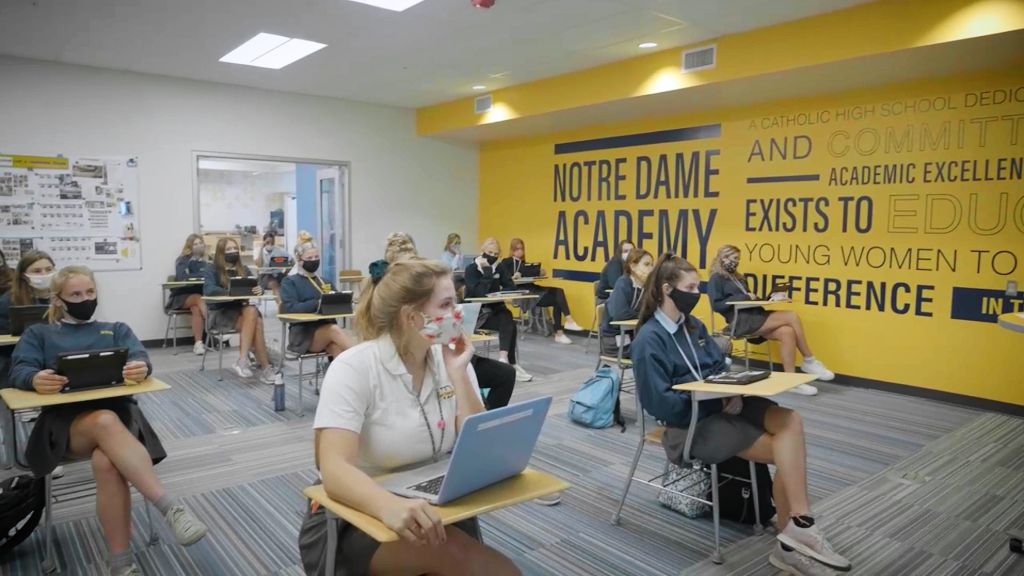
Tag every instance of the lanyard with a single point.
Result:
(434, 448)
(695, 372)
(638, 293)
(742, 286)
(516, 265)
(315, 281)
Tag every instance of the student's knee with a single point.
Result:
(792, 419)
(102, 466)
(461, 550)
(785, 334)
(105, 422)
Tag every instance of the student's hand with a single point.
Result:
(481, 262)
(778, 297)
(415, 521)
(135, 371)
(517, 275)
(732, 405)
(48, 382)
(457, 360)
(257, 291)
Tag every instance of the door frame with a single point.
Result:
(344, 202)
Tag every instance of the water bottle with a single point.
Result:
(279, 397)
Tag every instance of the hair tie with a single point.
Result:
(377, 270)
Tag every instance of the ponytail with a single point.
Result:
(669, 269)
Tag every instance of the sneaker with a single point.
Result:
(811, 542)
(550, 499)
(792, 562)
(269, 375)
(199, 348)
(187, 528)
(818, 369)
(522, 375)
(572, 326)
(805, 390)
(242, 369)
(132, 570)
(58, 472)
(562, 339)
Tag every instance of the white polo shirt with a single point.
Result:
(369, 391)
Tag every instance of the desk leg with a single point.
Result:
(10, 447)
(284, 333)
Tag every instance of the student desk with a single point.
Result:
(179, 284)
(507, 299)
(1012, 321)
(528, 485)
(529, 280)
(289, 319)
(8, 340)
(624, 326)
(349, 279)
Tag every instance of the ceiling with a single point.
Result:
(433, 52)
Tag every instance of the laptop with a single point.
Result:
(241, 285)
(501, 293)
(738, 378)
(333, 303)
(24, 316)
(280, 262)
(474, 462)
(470, 314)
(92, 368)
(529, 270)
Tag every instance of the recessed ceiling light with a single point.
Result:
(479, 87)
(271, 51)
(647, 45)
(396, 5)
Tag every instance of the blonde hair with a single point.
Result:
(491, 241)
(724, 252)
(452, 239)
(55, 313)
(22, 293)
(399, 246)
(304, 242)
(186, 250)
(407, 284)
(517, 243)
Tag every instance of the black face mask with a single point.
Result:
(81, 311)
(684, 301)
(491, 259)
(730, 266)
(231, 257)
(310, 265)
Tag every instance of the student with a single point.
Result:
(624, 303)
(191, 263)
(6, 275)
(272, 280)
(113, 433)
(727, 284)
(672, 347)
(31, 285)
(612, 270)
(237, 315)
(483, 278)
(399, 245)
(396, 400)
(452, 255)
(300, 294)
(550, 297)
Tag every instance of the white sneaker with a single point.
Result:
(187, 528)
(562, 339)
(58, 472)
(573, 326)
(521, 374)
(242, 369)
(805, 390)
(199, 348)
(132, 570)
(792, 562)
(818, 369)
(811, 542)
(269, 375)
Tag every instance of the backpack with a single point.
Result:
(596, 403)
(735, 499)
(22, 500)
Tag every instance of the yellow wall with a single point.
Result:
(924, 347)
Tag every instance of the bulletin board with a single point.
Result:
(80, 210)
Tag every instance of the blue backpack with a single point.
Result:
(596, 403)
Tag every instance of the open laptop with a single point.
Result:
(333, 303)
(92, 368)
(474, 462)
(470, 314)
(501, 293)
(241, 285)
(529, 270)
(279, 262)
(738, 378)
(24, 316)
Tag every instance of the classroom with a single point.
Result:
(489, 287)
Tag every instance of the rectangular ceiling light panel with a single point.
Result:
(271, 51)
(396, 5)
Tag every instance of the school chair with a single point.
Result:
(655, 437)
(747, 353)
(594, 323)
(221, 338)
(313, 377)
(173, 326)
(621, 363)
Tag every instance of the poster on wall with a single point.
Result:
(80, 210)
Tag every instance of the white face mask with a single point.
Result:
(40, 281)
(443, 330)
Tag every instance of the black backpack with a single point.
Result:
(22, 500)
(735, 498)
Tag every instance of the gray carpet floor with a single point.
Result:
(241, 467)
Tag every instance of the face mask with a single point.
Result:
(40, 281)
(443, 329)
(81, 311)
(231, 257)
(624, 256)
(491, 258)
(311, 265)
(729, 266)
(684, 301)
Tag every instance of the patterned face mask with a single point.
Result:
(443, 330)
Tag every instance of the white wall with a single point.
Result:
(399, 180)
(232, 197)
